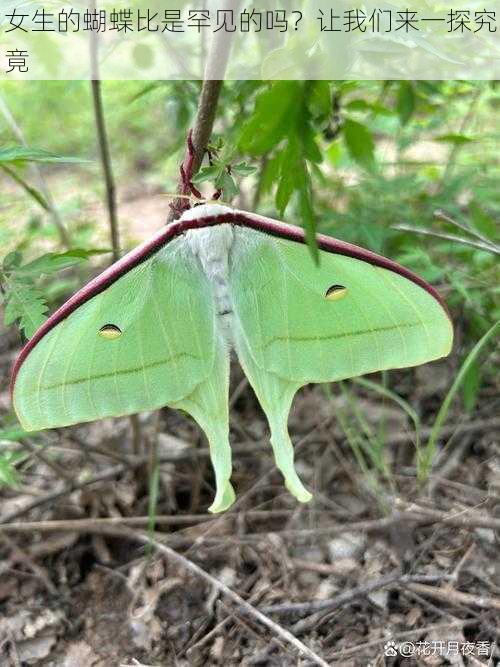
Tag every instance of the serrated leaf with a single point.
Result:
(284, 191)
(359, 142)
(26, 304)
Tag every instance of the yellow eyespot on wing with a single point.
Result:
(335, 292)
(110, 332)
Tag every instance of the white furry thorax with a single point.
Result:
(212, 247)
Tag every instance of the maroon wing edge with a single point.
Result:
(159, 240)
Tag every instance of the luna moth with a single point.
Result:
(157, 328)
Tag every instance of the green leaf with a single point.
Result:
(359, 142)
(210, 173)
(20, 154)
(12, 434)
(457, 139)
(8, 472)
(291, 174)
(85, 253)
(243, 169)
(26, 304)
(228, 186)
(320, 98)
(471, 386)
(50, 263)
(358, 105)
(12, 260)
(334, 153)
(271, 173)
(308, 221)
(406, 101)
(311, 150)
(275, 112)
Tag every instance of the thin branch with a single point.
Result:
(416, 519)
(103, 144)
(346, 597)
(489, 247)
(451, 596)
(197, 144)
(205, 116)
(439, 214)
(82, 525)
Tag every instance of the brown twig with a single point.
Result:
(452, 596)
(81, 525)
(348, 596)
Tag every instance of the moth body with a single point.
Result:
(212, 247)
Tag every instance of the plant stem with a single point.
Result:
(103, 145)
(466, 120)
(35, 169)
(205, 116)
(202, 130)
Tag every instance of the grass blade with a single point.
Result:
(425, 462)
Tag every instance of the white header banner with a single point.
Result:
(230, 39)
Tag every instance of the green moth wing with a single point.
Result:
(299, 322)
(147, 340)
